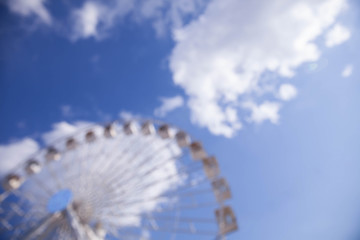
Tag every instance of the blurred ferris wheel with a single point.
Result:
(126, 180)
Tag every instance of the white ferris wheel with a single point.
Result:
(138, 179)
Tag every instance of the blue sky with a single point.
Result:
(291, 156)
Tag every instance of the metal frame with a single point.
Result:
(75, 164)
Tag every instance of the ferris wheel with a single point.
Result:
(138, 179)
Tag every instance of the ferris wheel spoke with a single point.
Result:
(101, 168)
(151, 227)
(47, 223)
(167, 218)
(189, 230)
(101, 161)
(41, 185)
(162, 209)
(83, 170)
(183, 189)
(190, 185)
(184, 172)
(73, 164)
(148, 145)
(123, 150)
(75, 176)
(68, 162)
(176, 221)
(135, 147)
(4, 195)
(140, 174)
(119, 165)
(184, 231)
(66, 155)
(103, 150)
(189, 207)
(79, 161)
(169, 208)
(128, 203)
(29, 198)
(118, 182)
(54, 177)
(141, 166)
(155, 198)
(22, 225)
(138, 188)
(121, 234)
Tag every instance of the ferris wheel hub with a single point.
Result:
(59, 201)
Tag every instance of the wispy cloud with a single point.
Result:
(61, 130)
(265, 111)
(337, 35)
(126, 115)
(28, 8)
(168, 105)
(287, 92)
(347, 72)
(13, 154)
(66, 111)
(95, 18)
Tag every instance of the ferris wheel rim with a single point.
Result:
(121, 122)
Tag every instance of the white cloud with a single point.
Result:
(126, 115)
(168, 105)
(15, 153)
(347, 72)
(265, 111)
(95, 18)
(173, 13)
(61, 130)
(31, 7)
(220, 57)
(287, 92)
(66, 111)
(337, 35)
(87, 20)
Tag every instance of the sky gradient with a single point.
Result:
(272, 89)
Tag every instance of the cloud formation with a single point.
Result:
(28, 8)
(96, 18)
(168, 105)
(63, 129)
(66, 111)
(337, 35)
(347, 72)
(15, 153)
(220, 58)
(127, 116)
(287, 92)
(265, 111)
